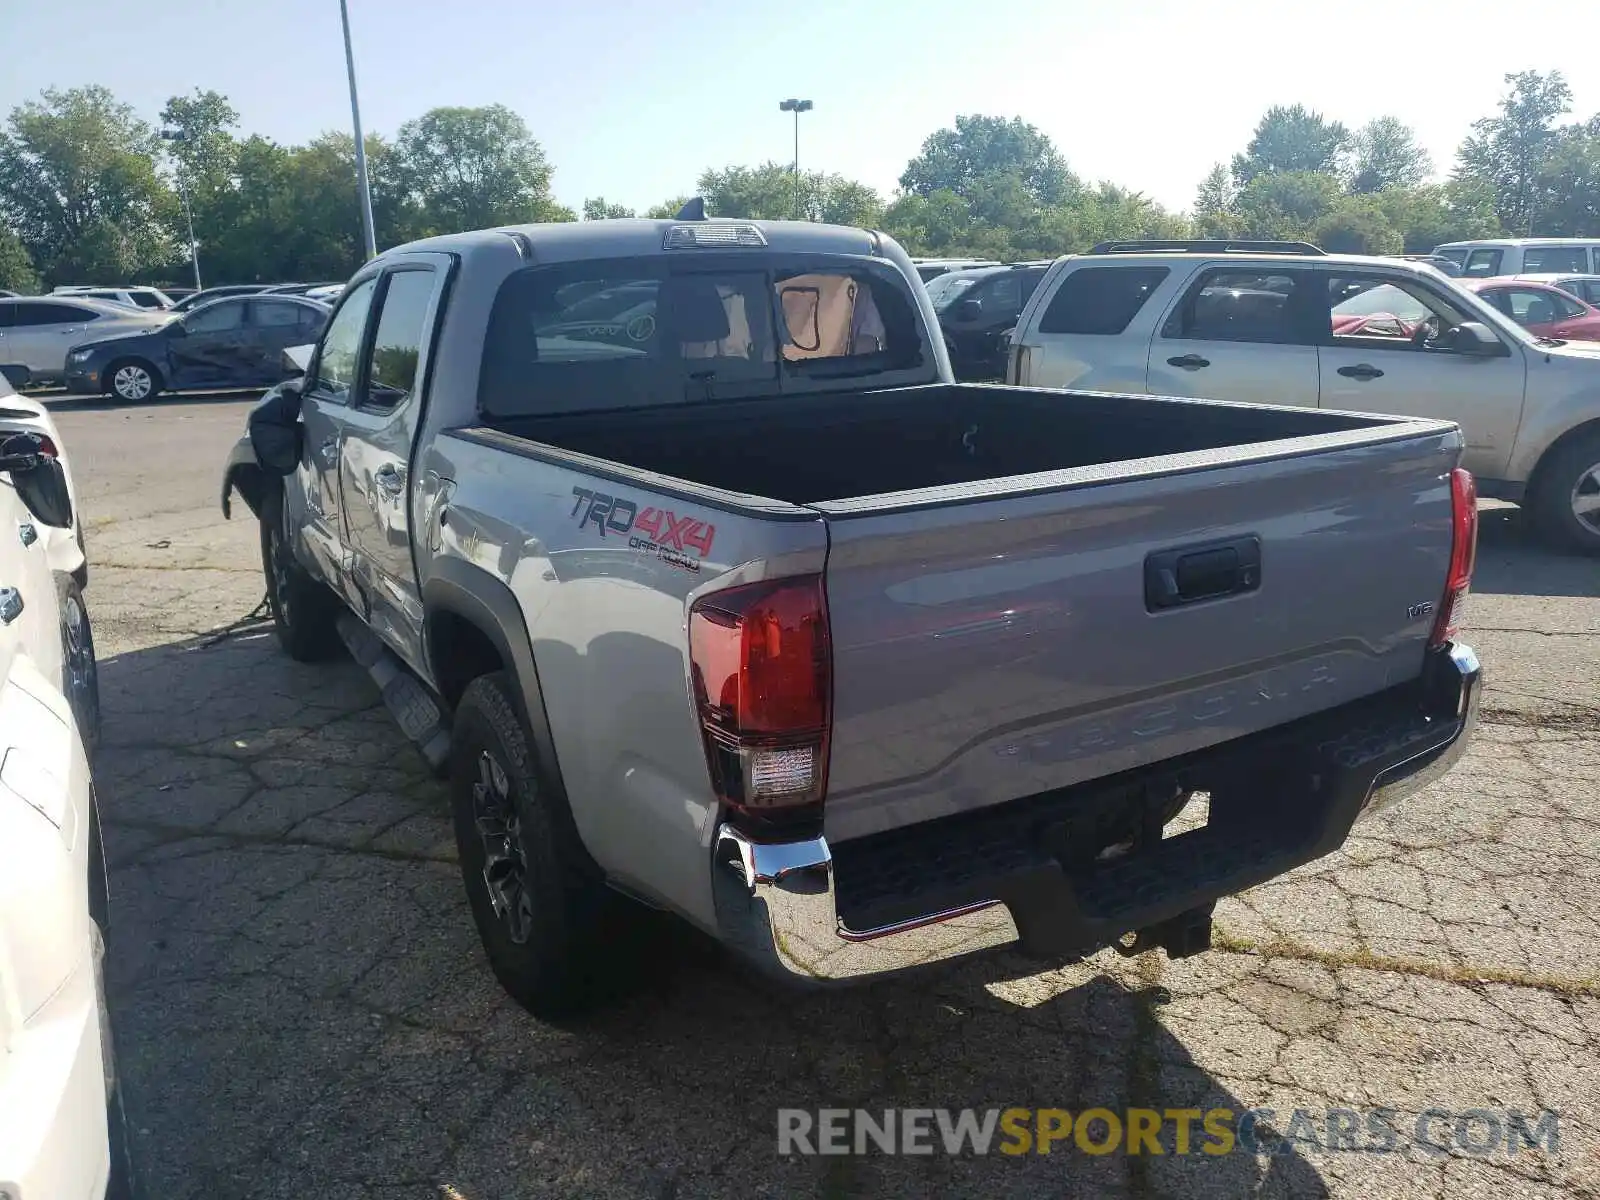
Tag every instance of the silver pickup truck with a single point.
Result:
(732, 603)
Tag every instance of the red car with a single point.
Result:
(1539, 308)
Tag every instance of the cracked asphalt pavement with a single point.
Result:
(303, 1009)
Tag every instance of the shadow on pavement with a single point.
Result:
(63, 402)
(1514, 561)
(303, 1007)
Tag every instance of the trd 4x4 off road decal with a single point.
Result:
(682, 541)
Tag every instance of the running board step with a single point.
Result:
(413, 707)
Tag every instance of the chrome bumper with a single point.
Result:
(777, 904)
(776, 907)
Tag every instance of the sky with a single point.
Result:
(631, 101)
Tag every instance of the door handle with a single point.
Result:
(1189, 362)
(390, 480)
(328, 452)
(10, 605)
(1361, 371)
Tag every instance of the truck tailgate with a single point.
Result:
(1018, 637)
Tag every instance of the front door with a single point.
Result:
(376, 489)
(213, 348)
(1239, 333)
(324, 407)
(1383, 354)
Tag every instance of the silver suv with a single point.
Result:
(37, 331)
(1284, 323)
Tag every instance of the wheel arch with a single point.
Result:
(467, 612)
(1536, 477)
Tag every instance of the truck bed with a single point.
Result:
(995, 559)
(849, 445)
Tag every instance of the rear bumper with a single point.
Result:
(946, 889)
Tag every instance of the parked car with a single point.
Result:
(62, 1128)
(1517, 256)
(37, 331)
(1335, 331)
(767, 621)
(236, 342)
(132, 297)
(1439, 262)
(1584, 287)
(976, 309)
(1540, 308)
(932, 268)
(325, 292)
(300, 289)
(196, 299)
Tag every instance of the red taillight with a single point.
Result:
(1463, 555)
(761, 667)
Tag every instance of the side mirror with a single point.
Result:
(24, 452)
(969, 310)
(1475, 339)
(297, 360)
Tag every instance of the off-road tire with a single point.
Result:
(575, 926)
(304, 611)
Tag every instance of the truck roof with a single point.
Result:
(630, 237)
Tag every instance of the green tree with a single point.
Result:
(1385, 153)
(1509, 151)
(1432, 214)
(16, 268)
(978, 147)
(1214, 214)
(1292, 139)
(1568, 183)
(78, 185)
(1357, 225)
(667, 209)
(1287, 204)
(770, 192)
(474, 168)
(597, 208)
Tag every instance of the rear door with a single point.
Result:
(1240, 332)
(42, 331)
(275, 325)
(989, 650)
(1381, 354)
(1092, 331)
(380, 426)
(325, 401)
(214, 349)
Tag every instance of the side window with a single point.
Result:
(1384, 313)
(216, 318)
(1589, 289)
(1100, 300)
(397, 345)
(1243, 305)
(1569, 308)
(1003, 295)
(1539, 259)
(274, 314)
(1530, 307)
(44, 312)
(8, 313)
(1481, 264)
(341, 344)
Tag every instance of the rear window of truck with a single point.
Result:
(607, 334)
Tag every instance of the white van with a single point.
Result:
(1523, 256)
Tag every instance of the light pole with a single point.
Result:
(361, 149)
(177, 135)
(796, 107)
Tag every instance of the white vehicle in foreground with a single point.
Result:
(62, 1133)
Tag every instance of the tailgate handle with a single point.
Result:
(1194, 573)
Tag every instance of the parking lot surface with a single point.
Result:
(303, 1009)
